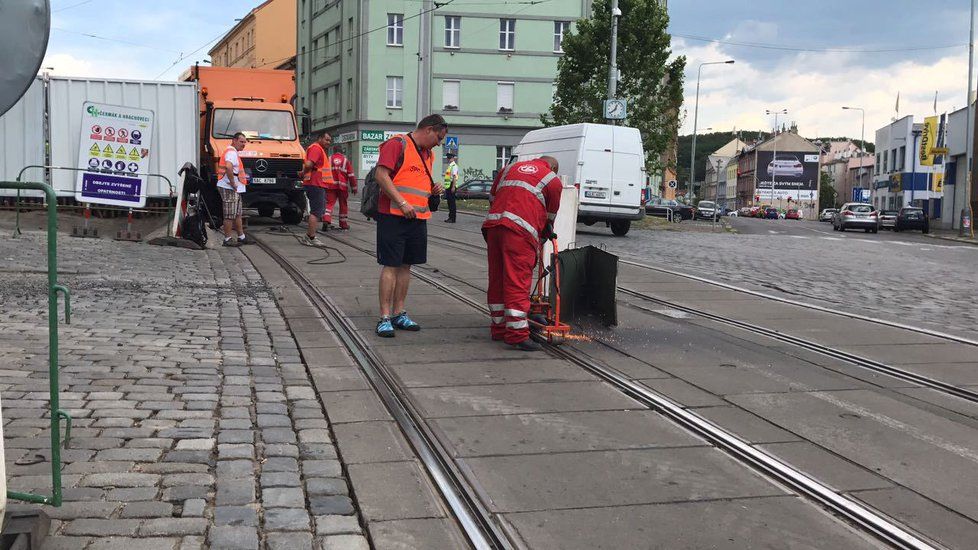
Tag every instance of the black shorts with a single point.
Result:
(317, 200)
(401, 241)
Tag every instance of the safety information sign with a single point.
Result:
(369, 155)
(114, 154)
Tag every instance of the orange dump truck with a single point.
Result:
(256, 102)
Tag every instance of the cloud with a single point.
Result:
(815, 86)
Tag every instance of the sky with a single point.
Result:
(140, 39)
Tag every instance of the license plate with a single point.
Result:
(262, 180)
(595, 195)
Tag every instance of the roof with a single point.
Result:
(730, 149)
(788, 142)
(863, 161)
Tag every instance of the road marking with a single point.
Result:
(799, 237)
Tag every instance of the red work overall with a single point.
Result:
(344, 180)
(525, 196)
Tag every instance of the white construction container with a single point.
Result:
(23, 138)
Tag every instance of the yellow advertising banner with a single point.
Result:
(928, 140)
(937, 182)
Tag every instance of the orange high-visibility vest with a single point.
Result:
(242, 176)
(412, 180)
(325, 171)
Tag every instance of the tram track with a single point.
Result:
(476, 522)
(796, 341)
(854, 512)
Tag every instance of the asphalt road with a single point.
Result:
(907, 276)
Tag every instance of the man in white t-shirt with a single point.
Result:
(231, 182)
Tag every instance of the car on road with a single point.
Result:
(888, 219)
(911, 217)
(733, 213)
(706, 210)
(669, 208)
(745, 211)
(827, 214)
(771, 213)
(785, 166)
(474, 189)
(792, 214)
(856, 215)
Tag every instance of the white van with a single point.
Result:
(606, 163)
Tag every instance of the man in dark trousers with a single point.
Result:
(404, 176)
(524, 199)
(451, 183)
(344, 183)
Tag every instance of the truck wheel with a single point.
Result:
(620, 227)
(266, 210)
(291, 215)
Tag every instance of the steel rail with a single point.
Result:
(858, 360)
(867, 518)
(475, 520)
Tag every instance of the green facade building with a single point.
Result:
(370, 68)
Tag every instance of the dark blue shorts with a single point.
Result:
(401, 241)
(317, 200)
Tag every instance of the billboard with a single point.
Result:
(792, 175)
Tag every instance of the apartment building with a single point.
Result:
(263, 39)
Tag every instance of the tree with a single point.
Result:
(827, 194)
(650, 82)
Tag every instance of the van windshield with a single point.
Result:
(254, 124)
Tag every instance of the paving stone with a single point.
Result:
(295, 393)
(278, 435)
(74, 510)
(235, 491)
(102, 527)
(236, 468)
(126, 543)
(196, 444)
(132, 494)
(289, 541)
(282, 449)
(66, 543)
(236, 515)
(282, 497)
(179, 494)
(193, 507)
(236, 436)
(326, 505)
(344, 542)
(120, 480)
(322, 468)
(286, 519)
(280, 464)
(147, 510)
(315, 436)
(326, 486)
(274, 421)
(337, 525)
(280, 479)
(175, 480)
(195, 457)
(316, 451)
(235, 450)
(232, 538)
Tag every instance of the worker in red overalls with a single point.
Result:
(524, 199)
(344, 182)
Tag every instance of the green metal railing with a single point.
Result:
(20, 175)
(53, 290)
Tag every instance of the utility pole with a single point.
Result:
(613, 66)
(774, 154)
(696, 114)
(970, 135)
(424, 59)
(913, 173)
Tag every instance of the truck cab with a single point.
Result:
(255, 102)
(605, 163)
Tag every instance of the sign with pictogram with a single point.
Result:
(119, 177)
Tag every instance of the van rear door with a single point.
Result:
(596, 169)
(627, 172)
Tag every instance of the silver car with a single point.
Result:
(827, 214)
(785, 166)
(888, 219)
(856, 215)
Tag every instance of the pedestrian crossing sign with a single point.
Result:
(451, 143)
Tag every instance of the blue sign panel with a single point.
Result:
(451, 143)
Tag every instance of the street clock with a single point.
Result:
(615, 109)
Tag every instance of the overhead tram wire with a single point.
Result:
(768, 46)
(438, 5)
(182, 57)
(108, 39)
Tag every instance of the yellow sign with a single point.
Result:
(928, 138)
(134, 154)
(939, 150)
(937, 183)
(94, 151)
(107, 151)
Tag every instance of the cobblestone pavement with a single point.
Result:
(897, 276)
(196, 423)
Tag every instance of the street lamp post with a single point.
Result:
(774, 141)
(696, 112)
(969, 133)
(913, 173)
(716, 196)
(862, 139)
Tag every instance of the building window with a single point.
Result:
(349, 94)
(507, 34)
(395, 29)
(503, 152)
(395, 92)
(886, 157)
(504, 96)
(449, 94)
(453, 31)
(903, 158)
(560, 27)
(349, 33)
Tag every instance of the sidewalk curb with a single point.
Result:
(955, 239)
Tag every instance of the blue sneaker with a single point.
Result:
(403, 322)
(384, 328)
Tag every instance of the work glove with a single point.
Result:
(548, 231)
